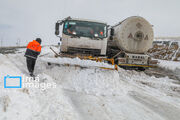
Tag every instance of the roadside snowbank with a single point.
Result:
(170, 65)
(89, 81)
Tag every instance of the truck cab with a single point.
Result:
(81, 36)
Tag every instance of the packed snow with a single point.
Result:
(86, 93)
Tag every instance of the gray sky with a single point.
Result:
(25, 20)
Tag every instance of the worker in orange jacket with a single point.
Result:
(32, 52)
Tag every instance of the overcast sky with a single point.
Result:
(25, 20)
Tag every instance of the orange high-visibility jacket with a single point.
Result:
(33, 49)
(34, 45)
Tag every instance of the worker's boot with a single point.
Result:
(31, 74)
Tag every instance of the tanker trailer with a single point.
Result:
(129, 41)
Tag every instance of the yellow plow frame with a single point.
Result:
(100, 59)
(86, 57)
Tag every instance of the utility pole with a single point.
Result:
(18, 42)
(1, 41)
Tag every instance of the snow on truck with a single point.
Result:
(125, 45)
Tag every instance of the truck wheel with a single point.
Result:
(141, 69)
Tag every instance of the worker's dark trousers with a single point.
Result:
(30, 64)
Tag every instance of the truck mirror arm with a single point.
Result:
(58, 23)
(62, 21)
(111, 33)
(57, 29)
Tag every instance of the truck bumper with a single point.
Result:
(135, 65)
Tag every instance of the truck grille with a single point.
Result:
(87, 51)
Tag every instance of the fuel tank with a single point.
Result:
(134, 35)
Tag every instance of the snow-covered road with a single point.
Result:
(86, 93)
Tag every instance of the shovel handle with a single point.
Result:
(54, 51)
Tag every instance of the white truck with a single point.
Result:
(126, 44)
(81, 36)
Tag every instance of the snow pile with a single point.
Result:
(170, 65)
(89, 81)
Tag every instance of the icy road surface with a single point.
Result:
(86, 93)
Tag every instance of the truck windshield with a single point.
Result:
(85, 29)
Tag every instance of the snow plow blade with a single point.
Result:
(82, 61)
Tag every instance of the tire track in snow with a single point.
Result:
(164, 109)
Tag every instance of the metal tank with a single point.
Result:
(134, 35)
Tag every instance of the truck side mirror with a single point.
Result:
(57, 29)
(112, 32)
